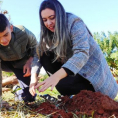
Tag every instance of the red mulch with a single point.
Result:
(85, 102)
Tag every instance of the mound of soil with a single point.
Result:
(86, 102)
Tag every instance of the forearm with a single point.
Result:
(33, 83)
(60, 74)
(29, 61)
(52, 81)
(34, 78)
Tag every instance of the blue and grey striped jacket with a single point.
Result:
(88, 59)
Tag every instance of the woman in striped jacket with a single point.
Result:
(70, 55)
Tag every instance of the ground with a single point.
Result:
(85, 104)
(93, 104)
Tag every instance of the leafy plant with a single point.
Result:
(109, 45)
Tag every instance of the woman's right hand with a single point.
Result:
(33, 83)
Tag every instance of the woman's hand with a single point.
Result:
(49, 82)
(52, 80)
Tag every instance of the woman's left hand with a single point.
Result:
(52, 80)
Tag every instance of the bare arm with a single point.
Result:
(33, 83)
(52, 80)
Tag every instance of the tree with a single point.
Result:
(0, 85)
(0, 74)
(3, 12)
(0, 4)
(109, 46)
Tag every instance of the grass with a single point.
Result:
(20, 110)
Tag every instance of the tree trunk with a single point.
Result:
(0, 85)
(9, 80)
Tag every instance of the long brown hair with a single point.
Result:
(57, 41)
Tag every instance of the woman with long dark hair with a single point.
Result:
(69, 54)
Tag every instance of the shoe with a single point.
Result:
(17, 92)
(49, 98)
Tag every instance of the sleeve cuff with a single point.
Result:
(69, 72)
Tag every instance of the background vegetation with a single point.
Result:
(109, 45)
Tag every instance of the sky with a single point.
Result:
(98, 15)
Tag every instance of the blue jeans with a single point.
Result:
(23, 81)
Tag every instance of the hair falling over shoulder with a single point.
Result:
(56, 41)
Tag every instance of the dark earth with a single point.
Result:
(93, 104)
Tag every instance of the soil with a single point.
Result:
(86, 102)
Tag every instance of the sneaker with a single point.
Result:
(49, 98)
(17, 92)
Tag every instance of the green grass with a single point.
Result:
(18, 109)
